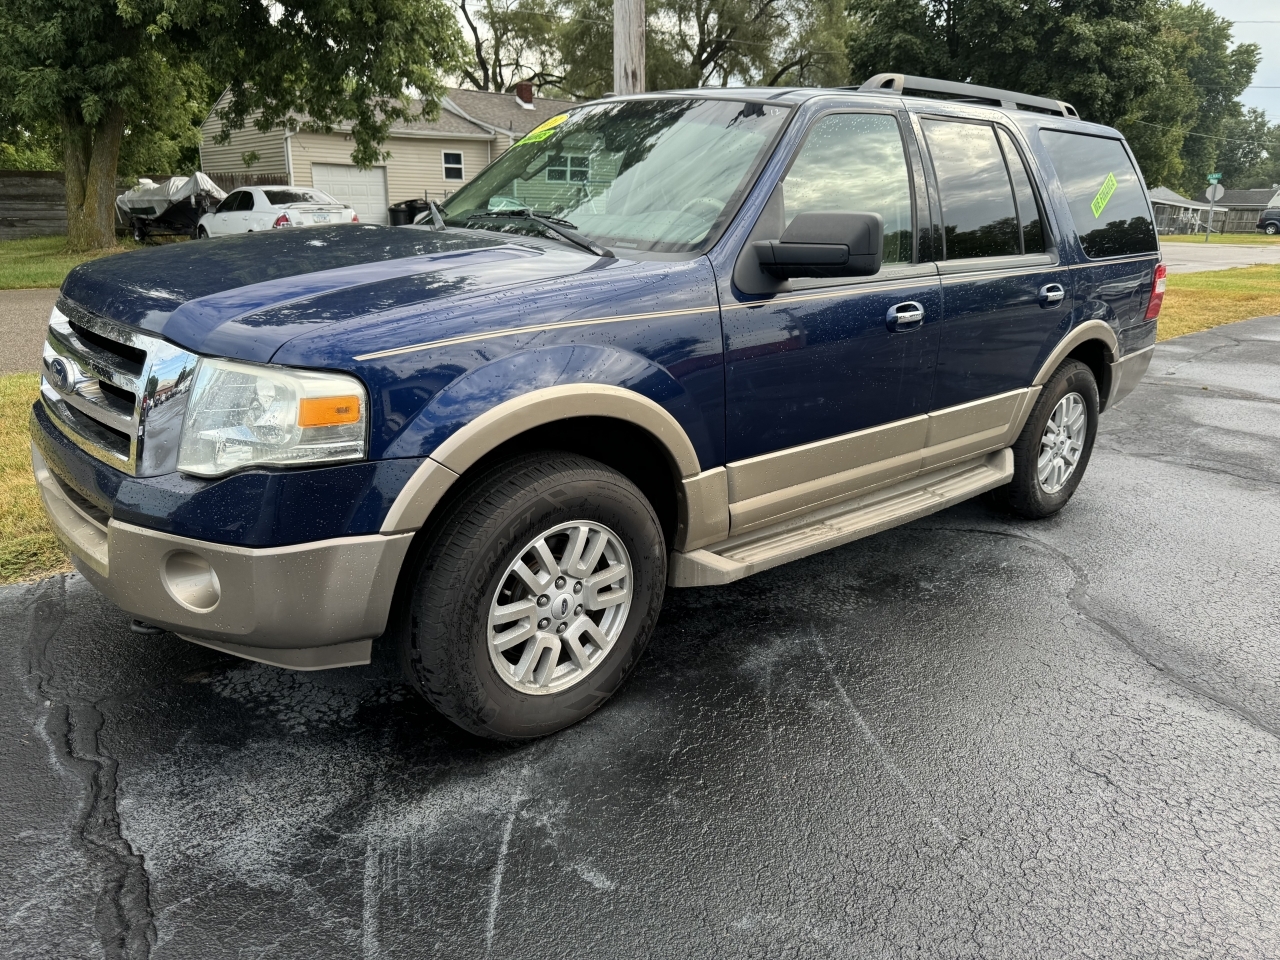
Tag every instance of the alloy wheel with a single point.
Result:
(1062, 443)
(560, 607)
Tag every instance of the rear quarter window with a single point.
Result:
(1104, 192)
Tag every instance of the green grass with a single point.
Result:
(1201, 301)
(1221, 238)
(44, 261)
(28, 547)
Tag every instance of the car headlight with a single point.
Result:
(245, 415)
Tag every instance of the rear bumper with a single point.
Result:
(305, 606)
(1127, 372)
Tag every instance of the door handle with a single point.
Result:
(1051, 294)
(904, 316)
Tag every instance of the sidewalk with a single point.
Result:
(24, 314)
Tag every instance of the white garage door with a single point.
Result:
(364, 191)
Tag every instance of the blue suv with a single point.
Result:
(665, 340)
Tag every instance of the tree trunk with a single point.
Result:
(91, 155)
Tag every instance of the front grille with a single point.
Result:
(100, 381)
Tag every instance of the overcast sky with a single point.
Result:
(1265, 35)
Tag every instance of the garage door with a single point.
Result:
(364, 191)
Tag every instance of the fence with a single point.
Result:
(33, 203)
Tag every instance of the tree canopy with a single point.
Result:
(101, 72)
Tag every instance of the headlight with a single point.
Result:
(244, 415)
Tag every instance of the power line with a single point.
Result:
(1189, 133)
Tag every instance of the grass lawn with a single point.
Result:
(1199, 301)
(28, 548)
(44, 261)
(1260, 238)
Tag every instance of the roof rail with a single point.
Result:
(904, 85)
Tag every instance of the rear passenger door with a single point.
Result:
(1117, 236)
(1005, 292)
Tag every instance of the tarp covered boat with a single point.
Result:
(172, 207)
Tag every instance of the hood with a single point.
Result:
(244, 297)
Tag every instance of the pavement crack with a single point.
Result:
(72, 728)
(495, 891)
(1078, 599)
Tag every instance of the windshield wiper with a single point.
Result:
(561, 228)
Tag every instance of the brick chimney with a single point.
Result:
(524, 91)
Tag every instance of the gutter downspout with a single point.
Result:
(288, 155)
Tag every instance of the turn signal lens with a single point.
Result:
(328, 411)
(1157, 293)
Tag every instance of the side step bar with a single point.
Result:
(843, 523)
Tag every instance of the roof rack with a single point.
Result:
(904, 85)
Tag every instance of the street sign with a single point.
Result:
(1215, 177)
(1215, 192)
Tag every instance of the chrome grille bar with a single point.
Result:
(117, 393)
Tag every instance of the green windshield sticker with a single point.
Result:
(544, 130)
(1100, 201)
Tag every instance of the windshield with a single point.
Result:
(634, 175)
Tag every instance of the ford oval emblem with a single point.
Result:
(60, 373)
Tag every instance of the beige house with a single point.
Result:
(432, 159)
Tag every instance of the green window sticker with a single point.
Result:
(1100, 201)
(544, 130)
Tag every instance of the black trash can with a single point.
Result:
(405, 211)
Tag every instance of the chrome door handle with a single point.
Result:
(904, 316)
(1051, 294)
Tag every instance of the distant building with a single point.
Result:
(427, 158)
(1243, 208)
(1177, 214)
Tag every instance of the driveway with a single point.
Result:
(968, 737)
(1195, 257)
(24, 315)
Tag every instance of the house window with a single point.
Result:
(452, 166)
(567, 168)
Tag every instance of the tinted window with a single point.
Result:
(1028, 213)
(297, 195)
(978, 215)
(245, 202)
(854, 163)
(228, 202)
(1107, 200)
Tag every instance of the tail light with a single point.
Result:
(354, 218)
(283, 221)
(1157, 293)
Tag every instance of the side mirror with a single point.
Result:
(825, 245)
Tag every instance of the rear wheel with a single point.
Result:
(139, 233)
(1272, 229)
(535, 597)
(1053, 450)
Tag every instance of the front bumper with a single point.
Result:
(308, 606)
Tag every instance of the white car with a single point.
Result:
(265, 208)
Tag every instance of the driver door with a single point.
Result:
(221, 222)
(828, 381)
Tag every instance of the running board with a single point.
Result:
(843, 523)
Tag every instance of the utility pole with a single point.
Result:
(628, 46)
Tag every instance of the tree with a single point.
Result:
(511, 41)
(99, 70)
(1162, 71)
(1249, 151)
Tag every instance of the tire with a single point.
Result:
(1031, 494)
(466, 569)
(1272, 229)
(139, 233)
(202, 233)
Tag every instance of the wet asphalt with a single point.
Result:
(968, 737)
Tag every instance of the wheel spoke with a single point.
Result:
(506, 612)
(533, 667)
(546, 560)
(579, 537)
(507, 639)
(531, 580)
(591, 556)
(595, 600)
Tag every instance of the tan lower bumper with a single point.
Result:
(305, 606)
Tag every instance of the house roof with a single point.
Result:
(1246, 198)
(504, 111)
(1170, 198)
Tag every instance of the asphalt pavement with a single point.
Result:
(968, 737)
(1193, 257)
(24, 315)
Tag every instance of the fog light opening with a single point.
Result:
(191, 581)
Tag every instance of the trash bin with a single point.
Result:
(405, 211)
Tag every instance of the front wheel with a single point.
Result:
(535, 597)
(202, 233)
(1053, 450)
